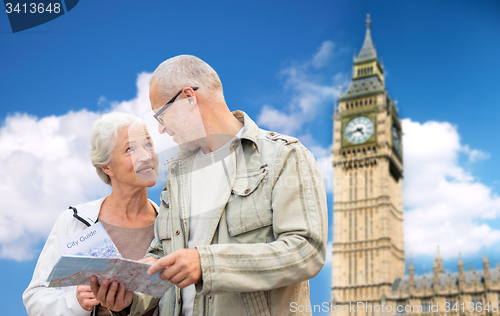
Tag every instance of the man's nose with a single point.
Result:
(161, 128)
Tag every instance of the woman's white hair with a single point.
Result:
(103, 138)
(185, 70)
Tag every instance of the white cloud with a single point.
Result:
(278, 121)
(475, 154)
(444, 204)
(308, 93)
(328, 260)
(310, 96)
(324, 54)
(140, 105)
(45, 168)
(324, 158)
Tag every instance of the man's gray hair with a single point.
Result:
(103, 138)
(185, 71)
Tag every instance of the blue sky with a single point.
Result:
(281, 58)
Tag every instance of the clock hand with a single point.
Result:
(359, 129)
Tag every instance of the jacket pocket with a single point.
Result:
(164, 217)
(249, 208)
(256, 303)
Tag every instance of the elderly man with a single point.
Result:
(243, 220)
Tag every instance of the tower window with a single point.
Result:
(350, 187)
(355, 186)
(371, 183)
(355, 227)
(452, 303)
(371, 224)
(400, 307)
(477, 299)
(366, 269)
(426, 306)
(350, 227)
(366, 231)
(372, 267)
(350, 271)
(355, 269)
(366, 184)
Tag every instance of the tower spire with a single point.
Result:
(368, 50)
(461, 273)
(368, 73)
(486, 267)
(411, 281)
(438, 262)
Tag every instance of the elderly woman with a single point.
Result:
(124, 157)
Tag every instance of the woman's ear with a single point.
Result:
(107, 170)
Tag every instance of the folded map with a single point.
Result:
(76, 270)
(93, 241)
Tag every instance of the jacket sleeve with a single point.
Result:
(141, 303)
(298, 202)
(38, 298)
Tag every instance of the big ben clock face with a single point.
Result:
(358, 130)
(396, 141)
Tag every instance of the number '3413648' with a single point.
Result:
(33, 8)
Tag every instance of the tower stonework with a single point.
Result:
(368, 243)
(368, 263)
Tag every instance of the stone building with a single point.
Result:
(368, 262)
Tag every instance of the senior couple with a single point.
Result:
(242, 221)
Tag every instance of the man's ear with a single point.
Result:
(192, 97)
(188, 92)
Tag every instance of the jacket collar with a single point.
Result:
(90, 211)
(250, 132)
(250, 129)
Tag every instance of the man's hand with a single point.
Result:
(148, 260)
(85, 297)
(113, 297)
(182, 267)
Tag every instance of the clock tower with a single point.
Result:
(368, 244)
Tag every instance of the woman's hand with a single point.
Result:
(85, 297)
(112, 296)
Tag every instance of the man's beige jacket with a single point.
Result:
(267, 237)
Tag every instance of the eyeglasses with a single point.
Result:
(169, 103)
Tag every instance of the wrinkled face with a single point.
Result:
(134, 161)
(181, 120)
